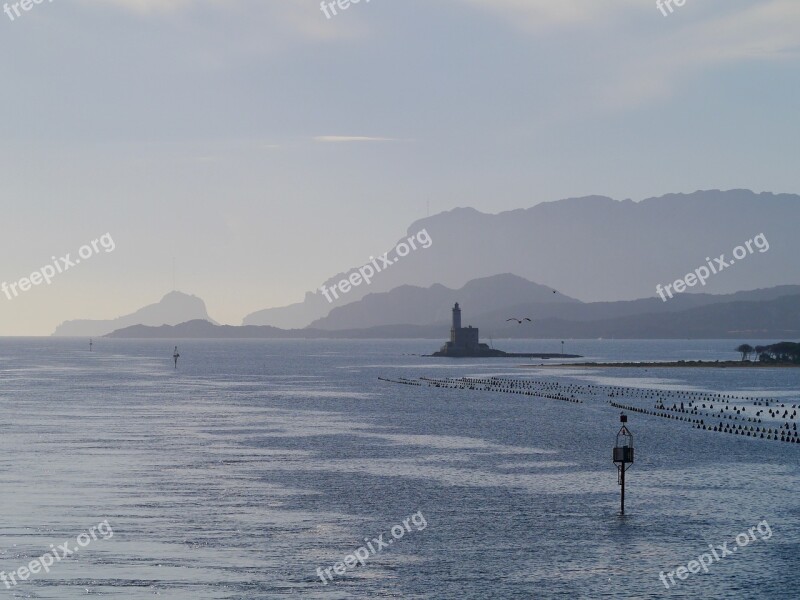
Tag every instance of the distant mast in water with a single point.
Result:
(176, 356)
(90, 344)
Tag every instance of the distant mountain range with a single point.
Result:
(200, 329)
(174, 308)
(765, 314)
(409, 304)
(594, 248)
(489, 302)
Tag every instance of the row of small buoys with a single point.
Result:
(774, 413)
(644, 411)
(402, 380)
(704, 400)
(665, 395)
(766, 403)
(695, 411)
(770, 433)
(685, 406)
(786, 435)
(619, 391)
(520, 387)
(569, 391)
(739, 410)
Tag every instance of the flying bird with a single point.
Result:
(519, 320)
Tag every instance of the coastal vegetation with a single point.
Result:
(782, 352)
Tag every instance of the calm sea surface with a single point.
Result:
(256, 463)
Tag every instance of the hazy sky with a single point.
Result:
(268, 147)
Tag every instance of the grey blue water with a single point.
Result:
(255, 463)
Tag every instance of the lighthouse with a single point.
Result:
(465, 343)
(456, 323)
(463, 340)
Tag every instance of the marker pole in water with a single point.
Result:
(623, 457)
(622, 490)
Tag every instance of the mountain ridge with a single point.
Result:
(592, 248)
(175, 307)
(726, 319)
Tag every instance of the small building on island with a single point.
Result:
(464, 341)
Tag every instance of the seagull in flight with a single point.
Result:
(519, 320)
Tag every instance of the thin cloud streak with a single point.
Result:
(344, 139)
(670, 52)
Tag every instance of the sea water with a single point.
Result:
(255, 464)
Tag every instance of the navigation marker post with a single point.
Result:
(623, 457)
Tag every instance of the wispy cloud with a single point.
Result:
(766, 31)
(148, 6)
(541, 14)
(292, 18)
(669, 52)
(336, 139)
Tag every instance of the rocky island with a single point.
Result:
(465, 343)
